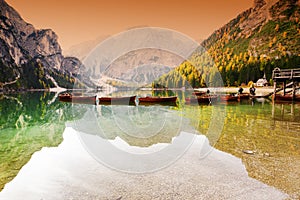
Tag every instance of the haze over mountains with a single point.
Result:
(251, 45)
(81, 50)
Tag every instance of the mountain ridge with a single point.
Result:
(258, 40)
(252, 44)
(28, 56)
(253, 20)
(248, 47)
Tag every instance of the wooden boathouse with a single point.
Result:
(289, 78)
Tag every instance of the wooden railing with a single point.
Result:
(286, 74)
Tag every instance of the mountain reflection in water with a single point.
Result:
(31, 121)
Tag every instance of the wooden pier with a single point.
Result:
(289, 78)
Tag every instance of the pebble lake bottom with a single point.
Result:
(69, 172)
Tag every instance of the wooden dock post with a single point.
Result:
(284, 75)
(284, 86)
(274, 93)
(294, 91)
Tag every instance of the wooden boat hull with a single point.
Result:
(65, 98)
(244, 96)
(158, 100)
(229, 98)
(117, 100)
(287, 97)
(199, 93)
(158, 103)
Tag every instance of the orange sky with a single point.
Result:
(76, 21)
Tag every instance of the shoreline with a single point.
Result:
(226, 89)
(260, 90)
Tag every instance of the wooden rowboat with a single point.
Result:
(66, 97)
(77, 99)
(258, 96)
(244, 96)
(117, 100)
(158, 100)
(229, 97)
(199, 93)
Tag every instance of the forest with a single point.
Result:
(238, 58)
(32, 75)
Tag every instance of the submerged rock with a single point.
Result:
(248, 152)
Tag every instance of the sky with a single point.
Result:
(77, 21)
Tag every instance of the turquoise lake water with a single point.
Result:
(30, 121)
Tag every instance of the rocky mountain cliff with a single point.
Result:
(142, 66)
(270, 28)
(27, 53)
(256, 41)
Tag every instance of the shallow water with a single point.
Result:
(31, 121)
(69, 172)
(28, 122)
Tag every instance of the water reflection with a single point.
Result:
(28, 122)
(140, 126)
(31, 121)
(272, 132)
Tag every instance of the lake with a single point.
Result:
(263, 134)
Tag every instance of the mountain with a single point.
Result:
(31, 58)
(261, 29)
(142, 66)
(264, 37)
(250, 46)
(256, 41)
(137, 57)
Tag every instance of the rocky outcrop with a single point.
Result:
(259, 3)
(269, 26)
(43, 45)
(73, 65)
(285, 9)
(21, 43)
(143, 65)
